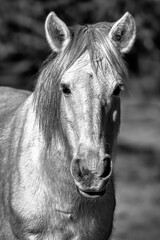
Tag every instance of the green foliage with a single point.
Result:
(23, 47)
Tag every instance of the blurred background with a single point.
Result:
(23, 49)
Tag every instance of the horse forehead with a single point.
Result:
(81, 73)
(82, 63)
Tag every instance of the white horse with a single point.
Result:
(57, 143)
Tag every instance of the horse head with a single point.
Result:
(91, 79)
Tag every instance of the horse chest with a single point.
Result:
(52, 225)
(55, 228)
(35, 216)
(67, 228)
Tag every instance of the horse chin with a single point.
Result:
(91, 195)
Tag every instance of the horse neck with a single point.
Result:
(27, 139)
(48, 164)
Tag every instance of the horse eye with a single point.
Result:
(65, 89)
(117, 90)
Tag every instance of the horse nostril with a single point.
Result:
(107, 167)
(75, 169)
(81, 173)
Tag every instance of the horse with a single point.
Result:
(57, 144)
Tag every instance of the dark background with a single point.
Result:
(23, 49)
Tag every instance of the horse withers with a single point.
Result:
(57, 144)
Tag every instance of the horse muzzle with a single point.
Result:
(91, 183)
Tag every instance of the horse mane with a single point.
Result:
(47, 94)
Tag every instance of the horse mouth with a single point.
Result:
(90, 194)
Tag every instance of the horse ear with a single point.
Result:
(123, 33)
(57, 33)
